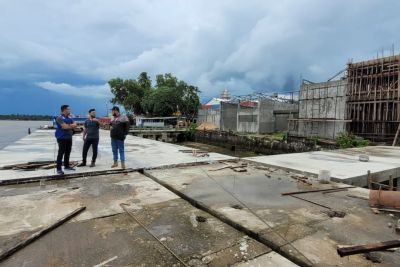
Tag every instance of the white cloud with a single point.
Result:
(95, 91)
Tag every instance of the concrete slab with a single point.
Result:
(343, 164)
(29, 207)
(270, 259)
(140, 153)
(105, 233)
(300, 230)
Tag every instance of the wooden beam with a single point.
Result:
(352, 250)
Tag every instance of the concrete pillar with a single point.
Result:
(164, 137)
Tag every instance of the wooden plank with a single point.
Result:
(191, 151)
(39, 234)
(64, 176)
(317, 190)
(389, 210)
(243, 165)
(352, 250)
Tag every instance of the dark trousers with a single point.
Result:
(64, 150)
(90, 142)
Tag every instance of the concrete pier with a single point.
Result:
(343, 164)
(140, 153)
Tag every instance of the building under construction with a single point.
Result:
(373, 98)
(365, 102)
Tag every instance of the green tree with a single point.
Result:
(190, 103)
(171, 95)
(129, 93)
(162, 101)
(26, 117)
(167, 97)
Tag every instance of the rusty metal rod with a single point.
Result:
(312, 202)
(313, 191)
(333, 191)
(352, 250)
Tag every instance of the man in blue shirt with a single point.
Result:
(64, 131)
(90, 137)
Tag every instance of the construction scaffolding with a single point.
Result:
(321, 110)
(373, 98)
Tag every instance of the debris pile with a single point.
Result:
(237, 168)
(34, 165)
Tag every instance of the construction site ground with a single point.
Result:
(175, 207)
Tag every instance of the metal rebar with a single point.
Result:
(258, 217)
(155, 237)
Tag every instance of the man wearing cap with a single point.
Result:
(64, 131)
(118, 131)
(90, 137)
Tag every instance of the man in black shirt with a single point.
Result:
(90, 137)
(118, 131)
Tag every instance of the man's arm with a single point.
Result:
(97, 121)
(64, 125)
(84, 131)
(126, 126)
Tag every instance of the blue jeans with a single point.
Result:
(118, 145)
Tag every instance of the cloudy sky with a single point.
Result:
(65, 51)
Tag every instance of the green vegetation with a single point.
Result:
(278, 136)
(190, 131)
(348, 140)
(168, 97)
(25, 117)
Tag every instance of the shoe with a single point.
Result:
(82, 164)
(115, 165)
(60, 172)
(122, 164)
(92, 164)
(69, 169)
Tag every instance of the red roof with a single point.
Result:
(248, 103)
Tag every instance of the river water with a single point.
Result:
(11, 131)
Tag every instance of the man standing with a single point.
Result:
(64, 131)
(90, 137)
(118, 131)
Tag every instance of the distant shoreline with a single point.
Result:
(23, 117)
(25, 120)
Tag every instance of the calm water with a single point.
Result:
(11, 131)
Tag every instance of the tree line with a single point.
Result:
(169, 96)
(26, 117)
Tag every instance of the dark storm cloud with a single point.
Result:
(242, 45)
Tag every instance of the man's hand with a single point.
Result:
(73, 125)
